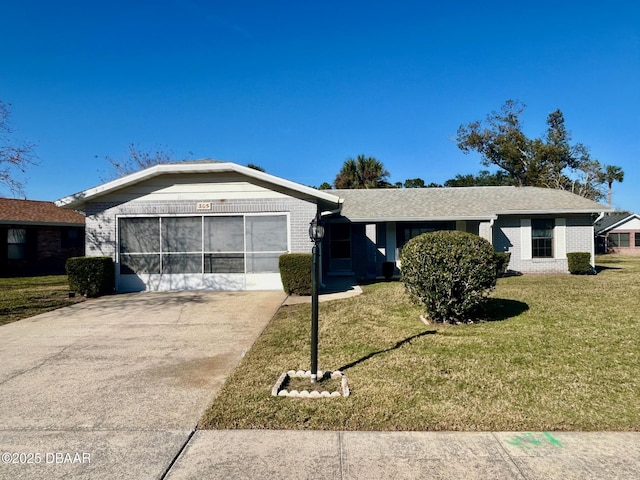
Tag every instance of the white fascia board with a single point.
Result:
(80, 198)
(250, 172)
(419, 219)
(621, 222)
(560, 211)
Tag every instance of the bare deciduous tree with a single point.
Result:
(15, 156)
(138, 159)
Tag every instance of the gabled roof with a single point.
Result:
(205, 166)
(460, 203)
(611, 222)
(34, 212)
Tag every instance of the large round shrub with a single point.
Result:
(450, 273)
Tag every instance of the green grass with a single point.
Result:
(23, 297)
(560, 352)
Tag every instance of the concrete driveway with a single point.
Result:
(113, 387)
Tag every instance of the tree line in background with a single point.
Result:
(551, 161)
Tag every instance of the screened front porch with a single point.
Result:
(218, 252)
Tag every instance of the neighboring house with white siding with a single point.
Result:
(218, 225)
(618, 233)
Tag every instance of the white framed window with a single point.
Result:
(16, 243)
(542, 238)
(620, 239)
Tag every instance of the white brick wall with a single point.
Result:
(101, 218)
(578, 234)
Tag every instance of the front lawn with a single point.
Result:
(561, 352)
(23, 297)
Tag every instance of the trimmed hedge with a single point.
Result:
(91, 276)
(295, 272)
(448, 272)
(580, 263)
(502, 262)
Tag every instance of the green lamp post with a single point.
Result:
(316, 233)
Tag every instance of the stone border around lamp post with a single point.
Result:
(279, 391)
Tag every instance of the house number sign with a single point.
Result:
(203, 206)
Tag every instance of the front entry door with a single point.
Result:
(340, 248)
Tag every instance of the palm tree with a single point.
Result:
(612, 174)
(362, 172)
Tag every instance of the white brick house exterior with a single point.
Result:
(218, 225)
(204, 225)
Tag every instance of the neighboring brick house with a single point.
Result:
(222, 226)
(37, 237)
(618, 233)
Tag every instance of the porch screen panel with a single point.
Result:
(182, 263)
(223, 234)
(182, 234)
(132, 264)
(139, 245)
(224, 244)
(266, 241)
(181, 244)
(139, 235)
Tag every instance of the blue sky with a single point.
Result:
(299, 86)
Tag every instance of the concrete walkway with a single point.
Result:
(333, 288)
(251, 454)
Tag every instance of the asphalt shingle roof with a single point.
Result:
(610, 220)
(459, 203)
(37, 212)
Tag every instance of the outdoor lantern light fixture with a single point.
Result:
(316, 232)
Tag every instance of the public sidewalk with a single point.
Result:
(269, 454)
